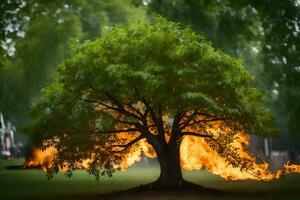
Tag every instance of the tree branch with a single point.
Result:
(157, 121)
(160, 123)
(148, 107)
(115, 131)
(196, 134)
(94, 101)
(121, 107)
(118, 104)
(189, 119)
(134, 109)
(205, 120)
(176, 123)
(132, 142)
(175, 130)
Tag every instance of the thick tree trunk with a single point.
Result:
(170, 170)
(168, 154)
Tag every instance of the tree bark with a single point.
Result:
(170, 169)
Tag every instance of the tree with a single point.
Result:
(28, 62)
(265, 34)
(221, 21)
(11, 24)
(233, 26)
(158, 82)
(281, 22)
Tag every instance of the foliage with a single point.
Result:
(221, 21)
(47, 36)
(135, 79)
(281, 59)
(12, 24)
(233, 26)
(264, 33)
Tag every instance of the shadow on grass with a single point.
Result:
(284, 189)
(14, 167)
(144, 193)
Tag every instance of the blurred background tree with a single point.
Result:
(281, 50)
(29, 62)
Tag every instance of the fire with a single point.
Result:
(41, 158)
(195, 154)
(291, 168)
(135, 154)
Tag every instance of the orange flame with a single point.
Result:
(41, 158)
(195, 154)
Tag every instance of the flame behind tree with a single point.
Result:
(155, 82)
(195, 154)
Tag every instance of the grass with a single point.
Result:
(32, 184)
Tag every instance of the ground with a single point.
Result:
(32, 184)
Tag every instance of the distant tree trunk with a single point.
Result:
(170, 169)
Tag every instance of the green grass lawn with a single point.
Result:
(32, 184)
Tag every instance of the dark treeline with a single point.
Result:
(37, 35)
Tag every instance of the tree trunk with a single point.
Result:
(170, 170)
(170, 178)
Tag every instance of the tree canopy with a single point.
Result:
(157, 82)
(265, 34)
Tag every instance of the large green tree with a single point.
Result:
(157, 82)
